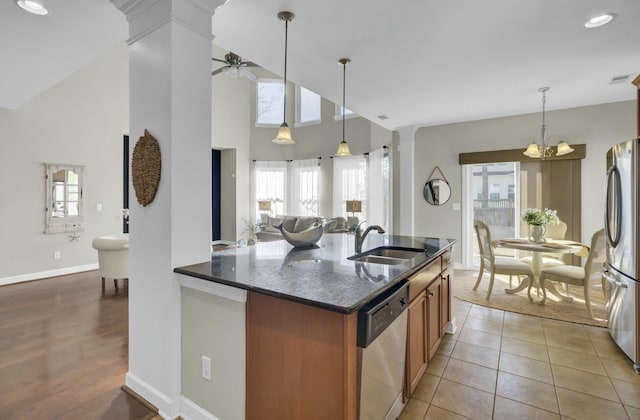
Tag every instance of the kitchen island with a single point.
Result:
(301, 358)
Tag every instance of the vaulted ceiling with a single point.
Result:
(416, 62)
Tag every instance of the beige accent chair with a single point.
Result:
(113, 257)
(496, 265)
(580, 276)
(550, 259)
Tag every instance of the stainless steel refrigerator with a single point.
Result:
(622, 271)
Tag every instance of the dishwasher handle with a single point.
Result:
(378, 314)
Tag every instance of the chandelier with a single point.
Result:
(543, 151)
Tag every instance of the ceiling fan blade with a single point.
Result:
(249, 64)
(246, 73)
(220, 70)
(219, 60)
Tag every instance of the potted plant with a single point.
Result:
(538, 220)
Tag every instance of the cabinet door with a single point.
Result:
(434, 297)
(416, 341)
(445, 308)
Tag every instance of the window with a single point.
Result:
(305, 187)
(270, 185)
(349, 183)
(63, 204)
(491, 198)
(308, 106)
(347, 113)
(379, 188)
(269, 102)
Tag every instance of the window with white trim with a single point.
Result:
(269, 102)
(349, 183)
(347, 113)
(307, 106)
(271, 185)
(305, 187)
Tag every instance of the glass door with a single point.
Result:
(491, 194)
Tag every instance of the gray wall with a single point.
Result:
(598, 126)
(80, 120)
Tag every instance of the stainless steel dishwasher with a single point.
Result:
(382, 335)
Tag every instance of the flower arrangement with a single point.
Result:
(537, 217)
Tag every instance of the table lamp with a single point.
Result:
(354, 206)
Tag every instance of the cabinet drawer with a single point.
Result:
(419, 281)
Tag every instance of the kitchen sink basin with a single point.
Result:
(388, 255)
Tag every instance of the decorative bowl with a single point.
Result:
(302, 239)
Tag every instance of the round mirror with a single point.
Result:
(437, 192)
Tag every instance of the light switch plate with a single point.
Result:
(206, 368)
(456, 206)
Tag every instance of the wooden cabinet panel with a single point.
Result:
(302, 361)
(434, 325)
(416, 343)
(445, 307)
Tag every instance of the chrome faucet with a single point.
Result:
(360, 236)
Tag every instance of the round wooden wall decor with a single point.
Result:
(145, 168)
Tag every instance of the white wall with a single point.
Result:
(80, 120)
(598, 126)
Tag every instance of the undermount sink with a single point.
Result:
(388, 255)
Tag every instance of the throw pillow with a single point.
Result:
(304, 223)
(341, 223)
(330, 226)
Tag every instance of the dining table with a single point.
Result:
(537, 250)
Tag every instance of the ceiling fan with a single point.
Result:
(235, 67)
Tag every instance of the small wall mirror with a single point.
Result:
(63, 205)
(437, 190)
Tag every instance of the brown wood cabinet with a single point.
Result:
(429, 317)
(417, 355)
(302, 355)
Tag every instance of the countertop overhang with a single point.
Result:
(321, 276)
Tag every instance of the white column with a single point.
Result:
(407, 181)
(170, 95)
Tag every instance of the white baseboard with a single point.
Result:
(168, 408)
(45, 274)
(192, 411)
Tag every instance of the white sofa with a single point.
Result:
(113, 257)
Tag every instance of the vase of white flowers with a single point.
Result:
(538, 220)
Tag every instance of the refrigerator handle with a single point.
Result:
(613, 175)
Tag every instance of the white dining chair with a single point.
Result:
(496, 265)
(580, 276)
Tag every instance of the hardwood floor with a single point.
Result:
(64, 350)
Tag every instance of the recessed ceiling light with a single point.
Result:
(600, 20)
(33, 6)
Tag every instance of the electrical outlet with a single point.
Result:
(56, 255)
(456, 206)
(99, 207)
(206, 368)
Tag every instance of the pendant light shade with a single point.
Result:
(284, 132)
(343, 147)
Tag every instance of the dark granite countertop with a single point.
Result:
(321, 276)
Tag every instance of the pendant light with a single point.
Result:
(343, 147)
(542, 151)
(284, 133)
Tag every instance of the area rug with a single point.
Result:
(554, 308)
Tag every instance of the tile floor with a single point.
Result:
(503, 365)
